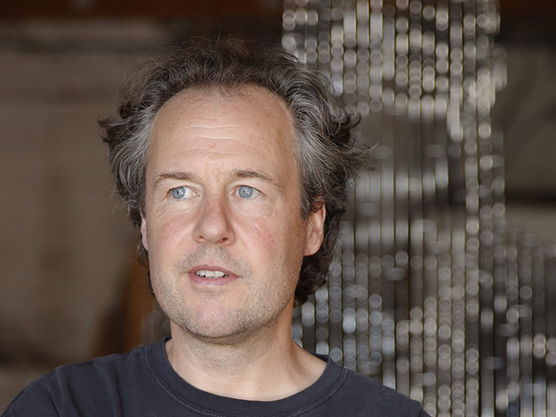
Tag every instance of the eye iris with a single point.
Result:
(178, 192)
(245, 192)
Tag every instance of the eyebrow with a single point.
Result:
(179, 175)
(238, 173)
(248, 173)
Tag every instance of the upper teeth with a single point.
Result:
(211, 274)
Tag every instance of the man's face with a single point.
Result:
(222, 222)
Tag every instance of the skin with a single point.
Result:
(223, 199)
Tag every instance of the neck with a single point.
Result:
(264, 366)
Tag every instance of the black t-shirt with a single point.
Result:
(142, 383)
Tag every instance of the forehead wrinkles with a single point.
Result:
(190, 97)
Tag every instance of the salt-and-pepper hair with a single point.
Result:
(328, 156)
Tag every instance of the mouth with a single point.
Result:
(207, 273)
(211, 275)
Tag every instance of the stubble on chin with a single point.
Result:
(195, 317)
(223, 321)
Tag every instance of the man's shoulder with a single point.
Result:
(103, 367)
(362, 395)
(86, 381)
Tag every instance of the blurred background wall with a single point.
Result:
(70, 288)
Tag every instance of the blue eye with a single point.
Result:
(180, 192)
(244, 191)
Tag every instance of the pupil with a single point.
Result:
(245, 192)
(178, 192)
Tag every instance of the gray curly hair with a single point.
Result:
(327, 154)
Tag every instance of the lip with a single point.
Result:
(196, 279)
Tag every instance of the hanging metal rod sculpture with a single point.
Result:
(429, 291)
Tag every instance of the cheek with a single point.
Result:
(166, 234)
(256, 232)
(279, 241)
(263, 243)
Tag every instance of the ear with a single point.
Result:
(315, 230)
(144, 232)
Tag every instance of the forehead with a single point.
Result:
(247, 124)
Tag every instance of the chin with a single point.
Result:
(218, 335)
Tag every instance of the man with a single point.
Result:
(234, 163)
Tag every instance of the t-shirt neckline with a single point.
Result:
(206, 403)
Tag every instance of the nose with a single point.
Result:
(213, 224)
